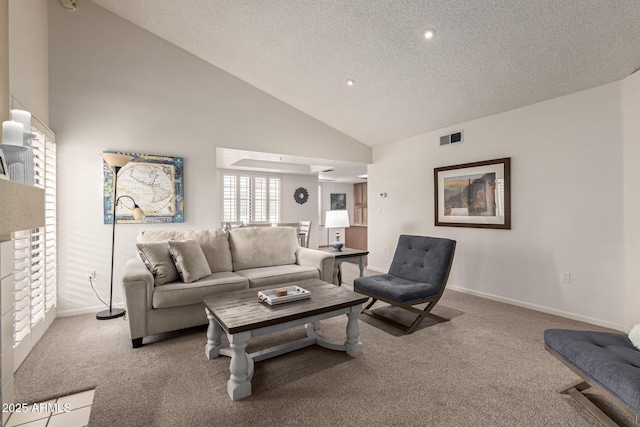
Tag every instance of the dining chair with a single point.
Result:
(304, 228)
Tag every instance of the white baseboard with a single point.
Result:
(85, 310)
(376, 269)
(541, 308)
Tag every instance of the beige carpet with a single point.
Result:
(486, 367)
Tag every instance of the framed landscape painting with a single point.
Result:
(338, 201)
(474, 195)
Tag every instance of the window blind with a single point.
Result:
(274, 200)
(35, 254)
(250, 198)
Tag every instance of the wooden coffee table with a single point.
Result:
(242, 316)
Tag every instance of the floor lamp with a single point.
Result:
(116, 161)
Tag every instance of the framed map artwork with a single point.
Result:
(154, 182)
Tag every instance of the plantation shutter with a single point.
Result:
(260, 199)
(35, 255)
(250, 198)
(244, 201)
(274, 200)
(229, 196)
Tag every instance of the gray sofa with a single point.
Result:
(160, 298)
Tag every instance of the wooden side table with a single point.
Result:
(342, 256)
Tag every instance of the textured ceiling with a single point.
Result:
(488, 56)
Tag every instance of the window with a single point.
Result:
(250, 198)
(34, 256)
(320, 204)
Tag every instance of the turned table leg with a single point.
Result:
(361, 265)
(353, 345)
(212, 349)
(239, 385)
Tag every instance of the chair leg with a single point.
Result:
(421, 315)
(414, 325)
(373, 301)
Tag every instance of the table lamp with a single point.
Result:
(337, 219)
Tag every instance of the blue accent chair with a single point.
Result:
(418, 274)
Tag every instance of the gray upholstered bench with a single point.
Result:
(607, 362)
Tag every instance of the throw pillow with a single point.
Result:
(157, 257)
(634, 336)
(146, 261)
(189, 259)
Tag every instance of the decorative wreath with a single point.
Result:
(301, 195)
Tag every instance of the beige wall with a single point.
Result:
(4, 60)
(567, 205)
(115, 86)
(631, 128)
(29, 55)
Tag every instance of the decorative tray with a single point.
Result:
(294, 293)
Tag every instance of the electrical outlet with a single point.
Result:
(92, 275)
(565, 277)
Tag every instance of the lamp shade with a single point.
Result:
(337, 219)
(138, 213)
(115, 159)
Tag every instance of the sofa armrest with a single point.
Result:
(322, 260)
(137, 282)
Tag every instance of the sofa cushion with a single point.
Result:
(214, 244)
(253, 247)
(189, 259)
(180, 293)
(158, 256)
(277, 275)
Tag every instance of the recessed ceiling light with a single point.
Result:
(350, 82)
(429, 33)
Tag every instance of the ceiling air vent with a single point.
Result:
(452, 138)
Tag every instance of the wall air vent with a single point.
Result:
(452, 138)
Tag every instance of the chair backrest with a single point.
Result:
(423, 259)
(228, 225)
(304, 227)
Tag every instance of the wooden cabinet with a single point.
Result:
(360, 204)
(355, 237)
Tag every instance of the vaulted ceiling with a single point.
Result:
(487, 56)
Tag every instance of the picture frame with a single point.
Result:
(4, 169)
(154, 182)
(338, 201)
(475, 195)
